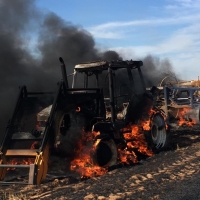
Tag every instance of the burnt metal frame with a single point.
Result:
(110, 67)
(31, 178)
(172, 102)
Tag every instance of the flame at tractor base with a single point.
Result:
(19, 161)
(97, 158)
(22, 160)
(83, 163)
(136, 142)
(185, 119)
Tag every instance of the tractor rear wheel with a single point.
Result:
(158, 137)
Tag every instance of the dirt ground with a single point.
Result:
(172, 174)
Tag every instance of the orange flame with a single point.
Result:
(19, 161)
(182, 121)
(22, 161)
(146, 123)
(83, 163)
(135, 140)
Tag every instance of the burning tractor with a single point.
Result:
(107, 104)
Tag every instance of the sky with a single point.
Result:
(162, 28)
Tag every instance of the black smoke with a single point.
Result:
(158, 72)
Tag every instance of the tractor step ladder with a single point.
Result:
(25, 143)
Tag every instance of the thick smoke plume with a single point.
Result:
(158, 72)
(31, 43)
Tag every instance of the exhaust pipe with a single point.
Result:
(64, 73)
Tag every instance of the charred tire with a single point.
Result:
(66, 131)
(105, 154)
(158, 137)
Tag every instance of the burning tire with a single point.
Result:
(105, 153)
(157, 136)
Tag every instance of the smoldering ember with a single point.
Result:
(72, 114)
